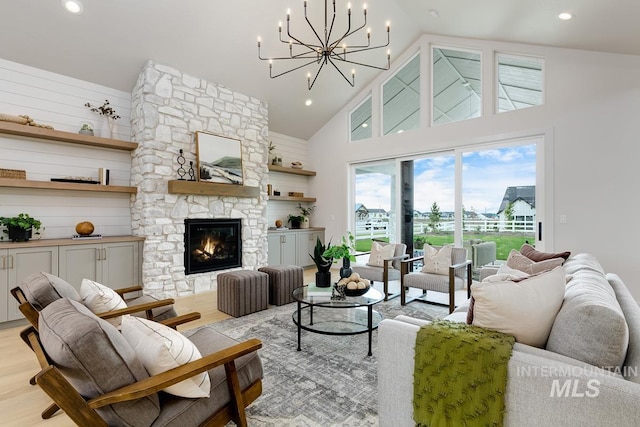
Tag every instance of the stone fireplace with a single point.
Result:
(168, 107)
(212, 244)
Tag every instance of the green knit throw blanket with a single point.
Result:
(460, 375)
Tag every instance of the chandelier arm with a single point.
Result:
(299, 43)
(353, 76)
(298, 56)
(287, 72)
(349, 33)
(309, 82)
(346, 61)
(313, 29)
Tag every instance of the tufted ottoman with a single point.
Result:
(242, 292)
(283, 279)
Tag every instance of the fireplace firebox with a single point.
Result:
(212, 244)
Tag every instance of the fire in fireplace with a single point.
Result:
(212, 244)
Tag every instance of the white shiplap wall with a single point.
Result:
(58, 101)
(291, 149)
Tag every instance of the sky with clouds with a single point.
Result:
(486, 175)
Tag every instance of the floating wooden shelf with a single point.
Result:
(212, 189)
(60, 136)
(292, 199)
(67, 186)
(291, 170)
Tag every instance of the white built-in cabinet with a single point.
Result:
(114, 262)
(292, 247)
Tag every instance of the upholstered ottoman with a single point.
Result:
(283, 279)
(243, 292)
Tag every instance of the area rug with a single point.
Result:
(330, 382)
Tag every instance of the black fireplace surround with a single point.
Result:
(212, 244)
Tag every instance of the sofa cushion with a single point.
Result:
(520, 262)
(590, 325)
(41, 289)
(537, 256)
(101, 299)
(631, 312)
(524, 309)
(583, 261)
(95, 359)
(437, 261)
(161, 348)
(379, 253)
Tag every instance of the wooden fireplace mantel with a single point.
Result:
(212, 189)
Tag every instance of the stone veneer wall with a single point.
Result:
(168, 107)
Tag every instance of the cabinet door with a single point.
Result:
(120, 266)
(4, 284)
(274, 254)
(79, 262)
(289, 254)
(26, 261)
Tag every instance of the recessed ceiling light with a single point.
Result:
(308, 102)
(434, 13)
(73, 6)
(365, 125)
(565, 16)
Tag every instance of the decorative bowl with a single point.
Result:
(356, 292)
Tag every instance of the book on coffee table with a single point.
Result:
(314, 291)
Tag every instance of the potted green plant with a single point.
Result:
(343, 251)
(21, 228)
(306, 212)
(295, 220)
(323, 275)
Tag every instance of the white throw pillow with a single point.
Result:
(161, 348)
(437, 261)
(524, 309)
(100, 299)
(379, 253)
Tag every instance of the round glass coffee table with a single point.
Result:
(350, 316)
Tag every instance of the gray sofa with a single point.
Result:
(587, 375)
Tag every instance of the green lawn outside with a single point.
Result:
(504, 241)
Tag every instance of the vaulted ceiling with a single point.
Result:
(110, 41)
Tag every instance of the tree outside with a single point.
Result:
(435, 217)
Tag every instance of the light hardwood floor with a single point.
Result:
(22, 403)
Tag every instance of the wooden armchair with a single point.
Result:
(459, 275)
(116, 390)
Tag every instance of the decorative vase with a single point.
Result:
(18, 234)
(323, 279)
(305, 222)
(345, 270)
(295, 224)
(106, 127)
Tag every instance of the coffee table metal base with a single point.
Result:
(332, 320)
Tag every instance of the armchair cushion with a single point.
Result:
(379, 253)
(95, 359)
(41, 289)
(520, 262)
(437, 261)
(526, 309)
(161, 348)
(101, 299)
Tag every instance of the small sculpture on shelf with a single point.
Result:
(181, 171)
(192, 172)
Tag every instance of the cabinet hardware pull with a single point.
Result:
(98, 255)
(104, 254)
(11, 259)
(4, 262)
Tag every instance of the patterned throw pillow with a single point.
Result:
(161, 348)
(380, 252)
(520, 262)
(437, 261)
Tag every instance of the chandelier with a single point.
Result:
(325, 50)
